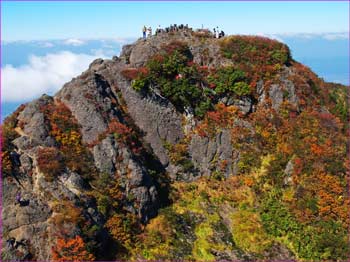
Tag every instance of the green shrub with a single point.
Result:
(177, 78)
(241, 88)
(229, 80)
(321, 240)
(139, 84)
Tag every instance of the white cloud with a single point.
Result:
(74, 42)
(336, 36)
(272, 36)
(47, 44)
(43, 74)
(105, 52)
(325, 35)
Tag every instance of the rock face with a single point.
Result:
(210, 155)
(34, 120)
(139, 157)
(136, 179)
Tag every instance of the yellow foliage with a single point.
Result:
(121, 228)
(161, 225)
(248, 232)
(202, 246)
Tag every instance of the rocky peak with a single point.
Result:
(175, 107)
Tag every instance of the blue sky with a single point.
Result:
(56, 20)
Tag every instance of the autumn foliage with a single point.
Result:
(133, 73)
(66, 131)
(220, 118)
(125, 136)
(50, 162)
(71, 250)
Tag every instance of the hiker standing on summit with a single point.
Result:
(144, 29)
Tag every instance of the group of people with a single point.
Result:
(175, 27)
(218, 33)
(147, 31)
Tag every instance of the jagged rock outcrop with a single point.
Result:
(216, 154)
(156, 117)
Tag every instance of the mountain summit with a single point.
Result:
(184, 147)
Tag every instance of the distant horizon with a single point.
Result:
(326, 35)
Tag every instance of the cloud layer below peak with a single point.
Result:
(42, 74)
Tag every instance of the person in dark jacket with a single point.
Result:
(144, 30)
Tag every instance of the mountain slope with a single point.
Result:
(184, 147)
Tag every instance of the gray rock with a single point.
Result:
(215, 154)
(144, 197)
(73, 182)
(36, 128)
(288, 171)
(26, 163)
(105, 154)
(245, 104)
(96, 64)
(86, 100)
(156, 117)
(34, 121)
(15, 216)
(24, 143)
(260, 91)
(134, 177)
(141, 53)
(276, 96)
(140, 185)
(125, 53)
(292, 97)
(95, 215)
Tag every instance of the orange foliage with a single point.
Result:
(173, 46)
(332, 200)
(66, 131)
(133, 73)
(258, 57)
(222, 117)
(50, 162)
(122, 228)
(316, 149)
(71, 250)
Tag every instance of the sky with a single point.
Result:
(46, 44)
(56, 20)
